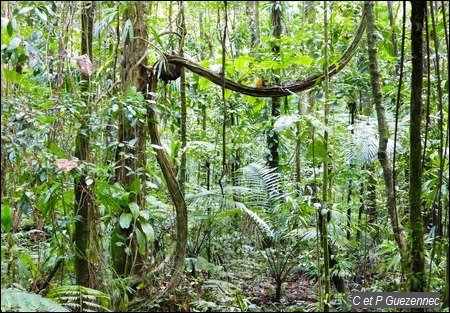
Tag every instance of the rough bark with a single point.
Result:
(382, 128)
(415, 149)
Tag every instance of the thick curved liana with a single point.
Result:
(286, 88)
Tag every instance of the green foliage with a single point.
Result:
(80, 299)
(14, 300)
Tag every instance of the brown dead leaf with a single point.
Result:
(66, 165)
(85, 64)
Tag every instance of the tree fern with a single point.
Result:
(14, 300)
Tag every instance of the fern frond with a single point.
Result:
(80, 298)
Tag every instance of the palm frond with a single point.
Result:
(264, 184)
(264, 228)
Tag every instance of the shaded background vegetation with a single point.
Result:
(233, 202)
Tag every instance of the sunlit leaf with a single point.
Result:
(42, 15)
(13, 44)
(142, 243)
(267, 65)
(228, 93)
(25, 10)
(128, 31)
(125, 220)
(304, 60)
(204, 83)
(157, 147)
(134, 208)
(205, 63)
(239, 64)
(46, 119)
(285, 122)
(148, 231)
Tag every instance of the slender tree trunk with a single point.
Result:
(298, 154)
(253, 19)
(324, 208)
(131, 160)
(370, 181)
(84, 204)
(352, 112)
(382, 128)
(438, 216)
(183, 113)
(393, 34)
(415, 149)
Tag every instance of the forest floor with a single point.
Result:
(298, 294)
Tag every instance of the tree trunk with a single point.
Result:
(183, 113)
(415, 149)
(253, 19)
(382, 128)
(298, 154)
(131, 160)
(84, 204)
(393, 34)
(324, 217)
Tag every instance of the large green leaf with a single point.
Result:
(13, 44)
(6, 218)
(21, 301)
(285, 122)
(125, 220)
(148, 231)
(135, 186)
(134, 208)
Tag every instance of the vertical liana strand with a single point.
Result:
(427, 121)
(224, 124)
(399, 95)
(446, 296)
(437, 200)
